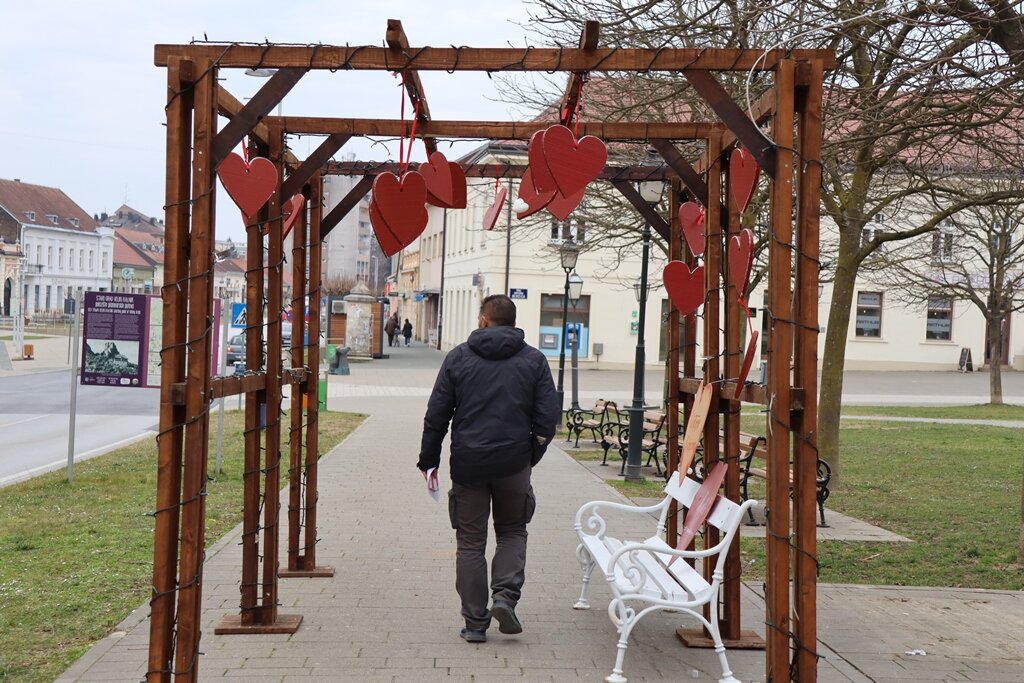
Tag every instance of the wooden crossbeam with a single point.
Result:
(229, 107)
(571, 97)
(690, 176)
(627, 190)
(369, 57)
(313, 163)
(258, 106)
(628, 173)
(397, 41)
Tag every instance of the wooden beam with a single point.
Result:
(498, 130)
(312, 165)
(399, 43)
(752, 393)
(229, 107)
(342, 208)
(650, 214)
(369, 57)
(735, 118)
(258, 106)
(633, 173)
(690, 177)
(571, 97)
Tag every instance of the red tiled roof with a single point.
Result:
(22, 200)
(131, 219)
(127, 254)
(152, 245)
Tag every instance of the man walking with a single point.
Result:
(497, 392)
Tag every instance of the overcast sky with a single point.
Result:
(81, 103)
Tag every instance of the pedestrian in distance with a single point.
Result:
(407, 331)
(497, 393)
(391, 328)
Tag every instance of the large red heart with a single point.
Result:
(249, 185)
(542, 178)
(437, 174)
(573, 163)
(534, 200)
(292, 209)
(743, 172)
(400, 207)
(700, 507)
(741, 258)
(748, 360)
(685, 287)
(691, 220)
(458, 186)
(560, 207)
(494, 210)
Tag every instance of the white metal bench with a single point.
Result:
(640, 571)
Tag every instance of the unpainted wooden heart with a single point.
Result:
(437, 175)
(400, 207)
(743, 172)
(573, 163)
(494, 210)
(249, 185)
(560, 207)
(291, 210)
(703, 501)
(748, 360)
(691, 221)
(542, 178)
(535, 201)
(741, 258)
(685, 287)
(458, 186)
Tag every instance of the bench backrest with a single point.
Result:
(750, 444)
(684, 490)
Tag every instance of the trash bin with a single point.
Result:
(339, 364)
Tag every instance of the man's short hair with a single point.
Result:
(499, 309)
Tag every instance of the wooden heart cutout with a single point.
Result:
(741, 258)
(543, 181)
(748, 360)
(700, 508)
(691, 220)
(743, 172)
(695, 426)
(560, 207)
(458, 186)
(573, 163)
(437, 175)
(685, 287)
(249, 185)
(494, 210)
(388, 242)
(535, 201)
(291, 210)
(400, 206)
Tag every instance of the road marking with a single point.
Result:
(27, 419)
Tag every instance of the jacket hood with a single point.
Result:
(496, 343)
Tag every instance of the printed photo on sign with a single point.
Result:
(114, 339)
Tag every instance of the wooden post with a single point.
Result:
(298, 391)
(805, 452)
(780, 344)
(672, 363)
(172, 371)
(197, 417)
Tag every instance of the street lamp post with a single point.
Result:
(575, 292)
(568, 252)
(651, 193)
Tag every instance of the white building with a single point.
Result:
(350, 251)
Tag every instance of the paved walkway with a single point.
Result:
(390, 613)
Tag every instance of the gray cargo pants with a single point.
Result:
(469, 507)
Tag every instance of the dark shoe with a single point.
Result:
(505, 615)
(473, 636)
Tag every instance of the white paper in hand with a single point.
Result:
(433, 484)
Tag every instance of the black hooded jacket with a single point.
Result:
(497, 392)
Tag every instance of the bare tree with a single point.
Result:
(915, 83)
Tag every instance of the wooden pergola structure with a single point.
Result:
(196, 144)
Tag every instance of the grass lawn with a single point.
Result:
(76, 559)
(985, 411)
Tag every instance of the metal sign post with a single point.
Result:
(74, 387)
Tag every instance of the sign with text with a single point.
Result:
(114, 339)
(517, 293)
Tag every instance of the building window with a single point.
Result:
(571, 230)
(49, 257)
(39, 254)
(869, 314)
(60, 258)
(92, 261)
(81, 259)
(73, 221)
(942, 246)
(71, 259)
(31, 215)
(103, 263)
(52, 217)
(940, 319)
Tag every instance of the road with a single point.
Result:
(34, 421)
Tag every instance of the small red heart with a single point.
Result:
(291, 210)
(437, 174)
(400, 208)
(741, 259)
(685, 287)
(249, 185)
(560, 207)
(748, 360)
(573, 163)
(743, 172)
(691, 220)
(542, 178)
(494, 210)
(534, 200)
(700, 507)
(458, 186)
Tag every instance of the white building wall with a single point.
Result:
(63, 262)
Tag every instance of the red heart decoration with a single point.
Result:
(743, 172)
(437, 174)
(542, 178)
(560, 207)
(249, 185)
(458, 186)
(700, 508)
(691, 220)
(292, 209)
(741, 258)
(534, 200)
(400, 210)
(573, 163)
(685, 287)
(748, 360)
(491, 215)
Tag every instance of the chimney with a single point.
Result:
(17, 180)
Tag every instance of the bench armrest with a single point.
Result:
(596, 522)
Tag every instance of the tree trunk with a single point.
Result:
(995, 360)
(1020, 542)
(830, 397)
